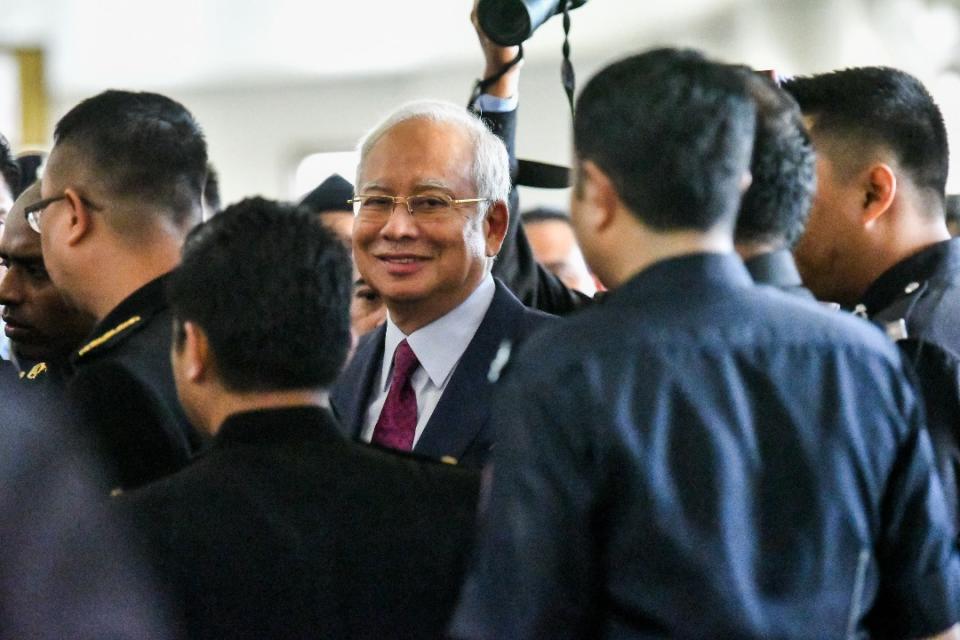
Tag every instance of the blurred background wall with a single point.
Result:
(278, 85)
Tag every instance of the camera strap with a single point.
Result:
(566, 67)
(480, 86)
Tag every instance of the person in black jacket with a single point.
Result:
(877, 240)
(122, 187)
(282, 528)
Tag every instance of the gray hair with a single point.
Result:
(491, 165)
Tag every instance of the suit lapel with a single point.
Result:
(464, 407)
(351, 397)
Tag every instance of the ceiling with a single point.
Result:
(190, 43)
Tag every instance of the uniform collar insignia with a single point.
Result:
(96, 342)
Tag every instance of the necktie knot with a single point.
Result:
(404, 362)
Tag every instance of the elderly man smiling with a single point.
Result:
(431, 215)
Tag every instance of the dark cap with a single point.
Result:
(331, 195)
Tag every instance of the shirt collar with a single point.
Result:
(942, 257)
(692, 274)
(439, 345)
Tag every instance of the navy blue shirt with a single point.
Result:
(699, 457)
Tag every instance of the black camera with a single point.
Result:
(511, 22)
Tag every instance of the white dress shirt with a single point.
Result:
(438, 347)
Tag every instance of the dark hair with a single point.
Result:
(211, 191)
(674, 132)
(775, 207)
(271, 288)
(141, 145)
(880, 106)
(542, 214)
(29, 164)
(9, 169)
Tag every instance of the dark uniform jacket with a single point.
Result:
(777, 269)
(123, 393)
(284, 529)
(923, 292)
(459, 426)
(731, 462)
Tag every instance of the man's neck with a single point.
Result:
(226, 403)
(125, 274)
(749, 250)
(906, 241)
(639, 248)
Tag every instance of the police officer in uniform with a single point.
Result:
(122, 187)
(877, 239)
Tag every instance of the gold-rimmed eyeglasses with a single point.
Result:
(379, 207)
(33, 211)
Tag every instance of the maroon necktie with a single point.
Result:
(398, 418)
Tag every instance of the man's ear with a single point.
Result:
(81, 220)
(495, 225)
(879, 189)
(196, 354)
(599, 196)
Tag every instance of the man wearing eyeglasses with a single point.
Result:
(430, 217)
(122, 187)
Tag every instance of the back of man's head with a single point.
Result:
(271, 290)
(857, 112)
(775, 207)
(141, 148)
(673, 132)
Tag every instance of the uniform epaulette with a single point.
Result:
(96, 342)
(38, 369)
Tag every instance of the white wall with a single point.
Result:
(258, 133)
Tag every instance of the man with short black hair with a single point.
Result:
(877, 240)
(702, 457)
(43, 328)
(284, 529)
(122, 187)
(775, 207)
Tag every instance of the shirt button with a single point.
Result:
(913, 286)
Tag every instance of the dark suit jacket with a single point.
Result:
(284, 529)
(459, 425)
(123, 394)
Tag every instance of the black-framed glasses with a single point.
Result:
(379, 207)
(33, 211)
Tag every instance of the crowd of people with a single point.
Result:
(723, 403)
